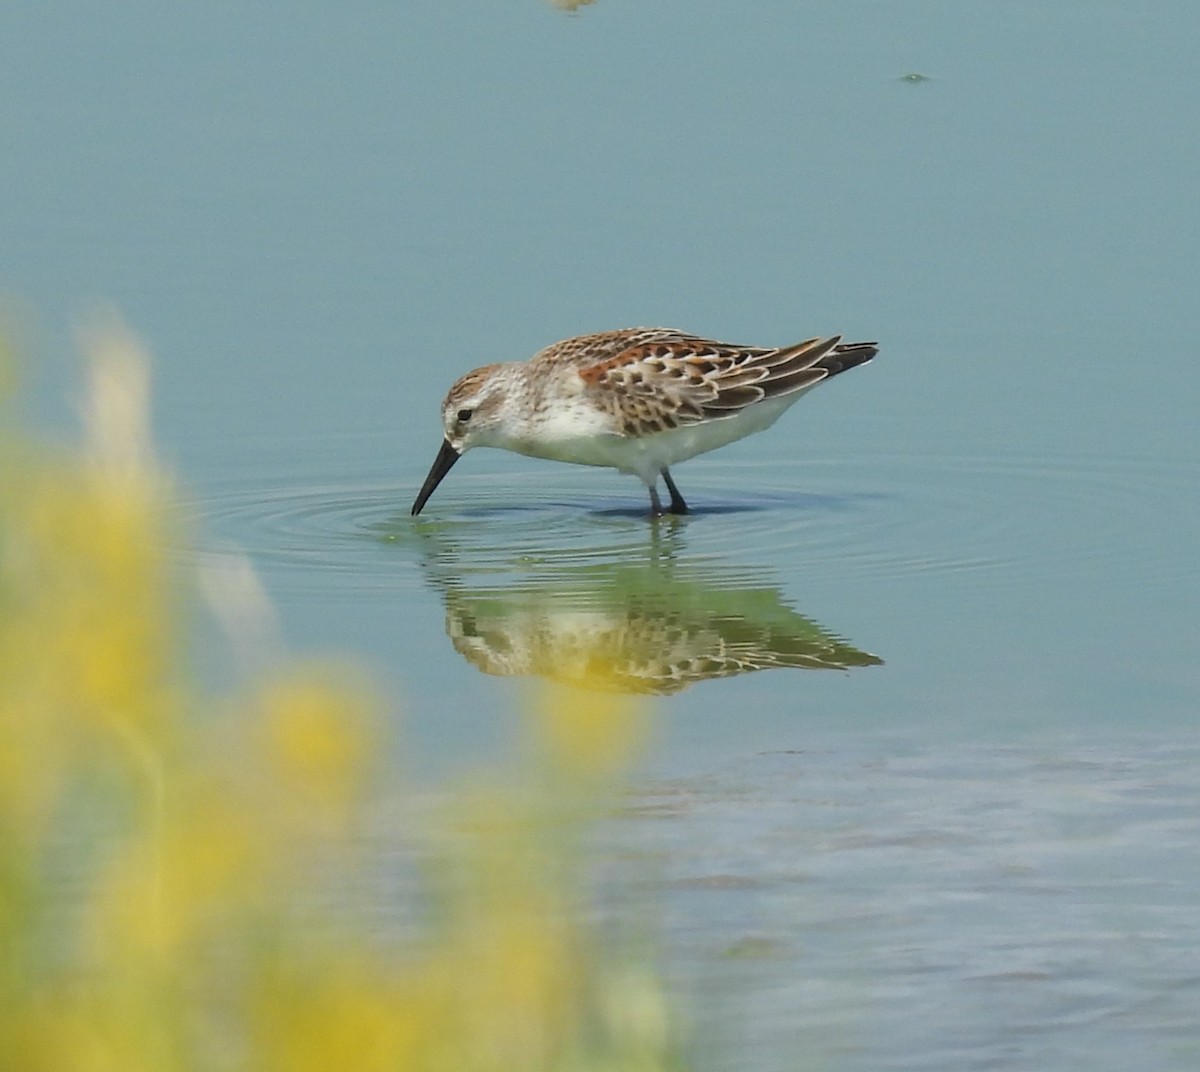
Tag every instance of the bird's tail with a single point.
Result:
(847, 355)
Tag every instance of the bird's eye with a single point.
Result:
(464, 415)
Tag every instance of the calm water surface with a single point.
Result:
(924, 787)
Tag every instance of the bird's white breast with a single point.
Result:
(574, 430)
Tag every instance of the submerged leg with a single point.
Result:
(656, 509)
(678, 506)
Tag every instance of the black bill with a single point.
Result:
(442, 464)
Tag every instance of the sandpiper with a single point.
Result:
(638, 400)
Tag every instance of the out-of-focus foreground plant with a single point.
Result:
(170, 863)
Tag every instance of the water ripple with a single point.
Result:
(872, 515)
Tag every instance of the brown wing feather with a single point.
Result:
(662, 379)
(586, 351)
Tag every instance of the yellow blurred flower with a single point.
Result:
(169, 864)
(322, 739)
(588, 735)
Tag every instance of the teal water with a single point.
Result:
(318, 219)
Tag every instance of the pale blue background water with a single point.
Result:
(319, 216)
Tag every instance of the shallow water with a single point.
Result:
(935, 907)
(925, 654)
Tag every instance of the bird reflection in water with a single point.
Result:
(651, 627)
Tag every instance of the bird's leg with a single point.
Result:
(656, 509)
(678, 506)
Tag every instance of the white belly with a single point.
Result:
(647, 456)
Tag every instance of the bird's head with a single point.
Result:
(472, 415)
